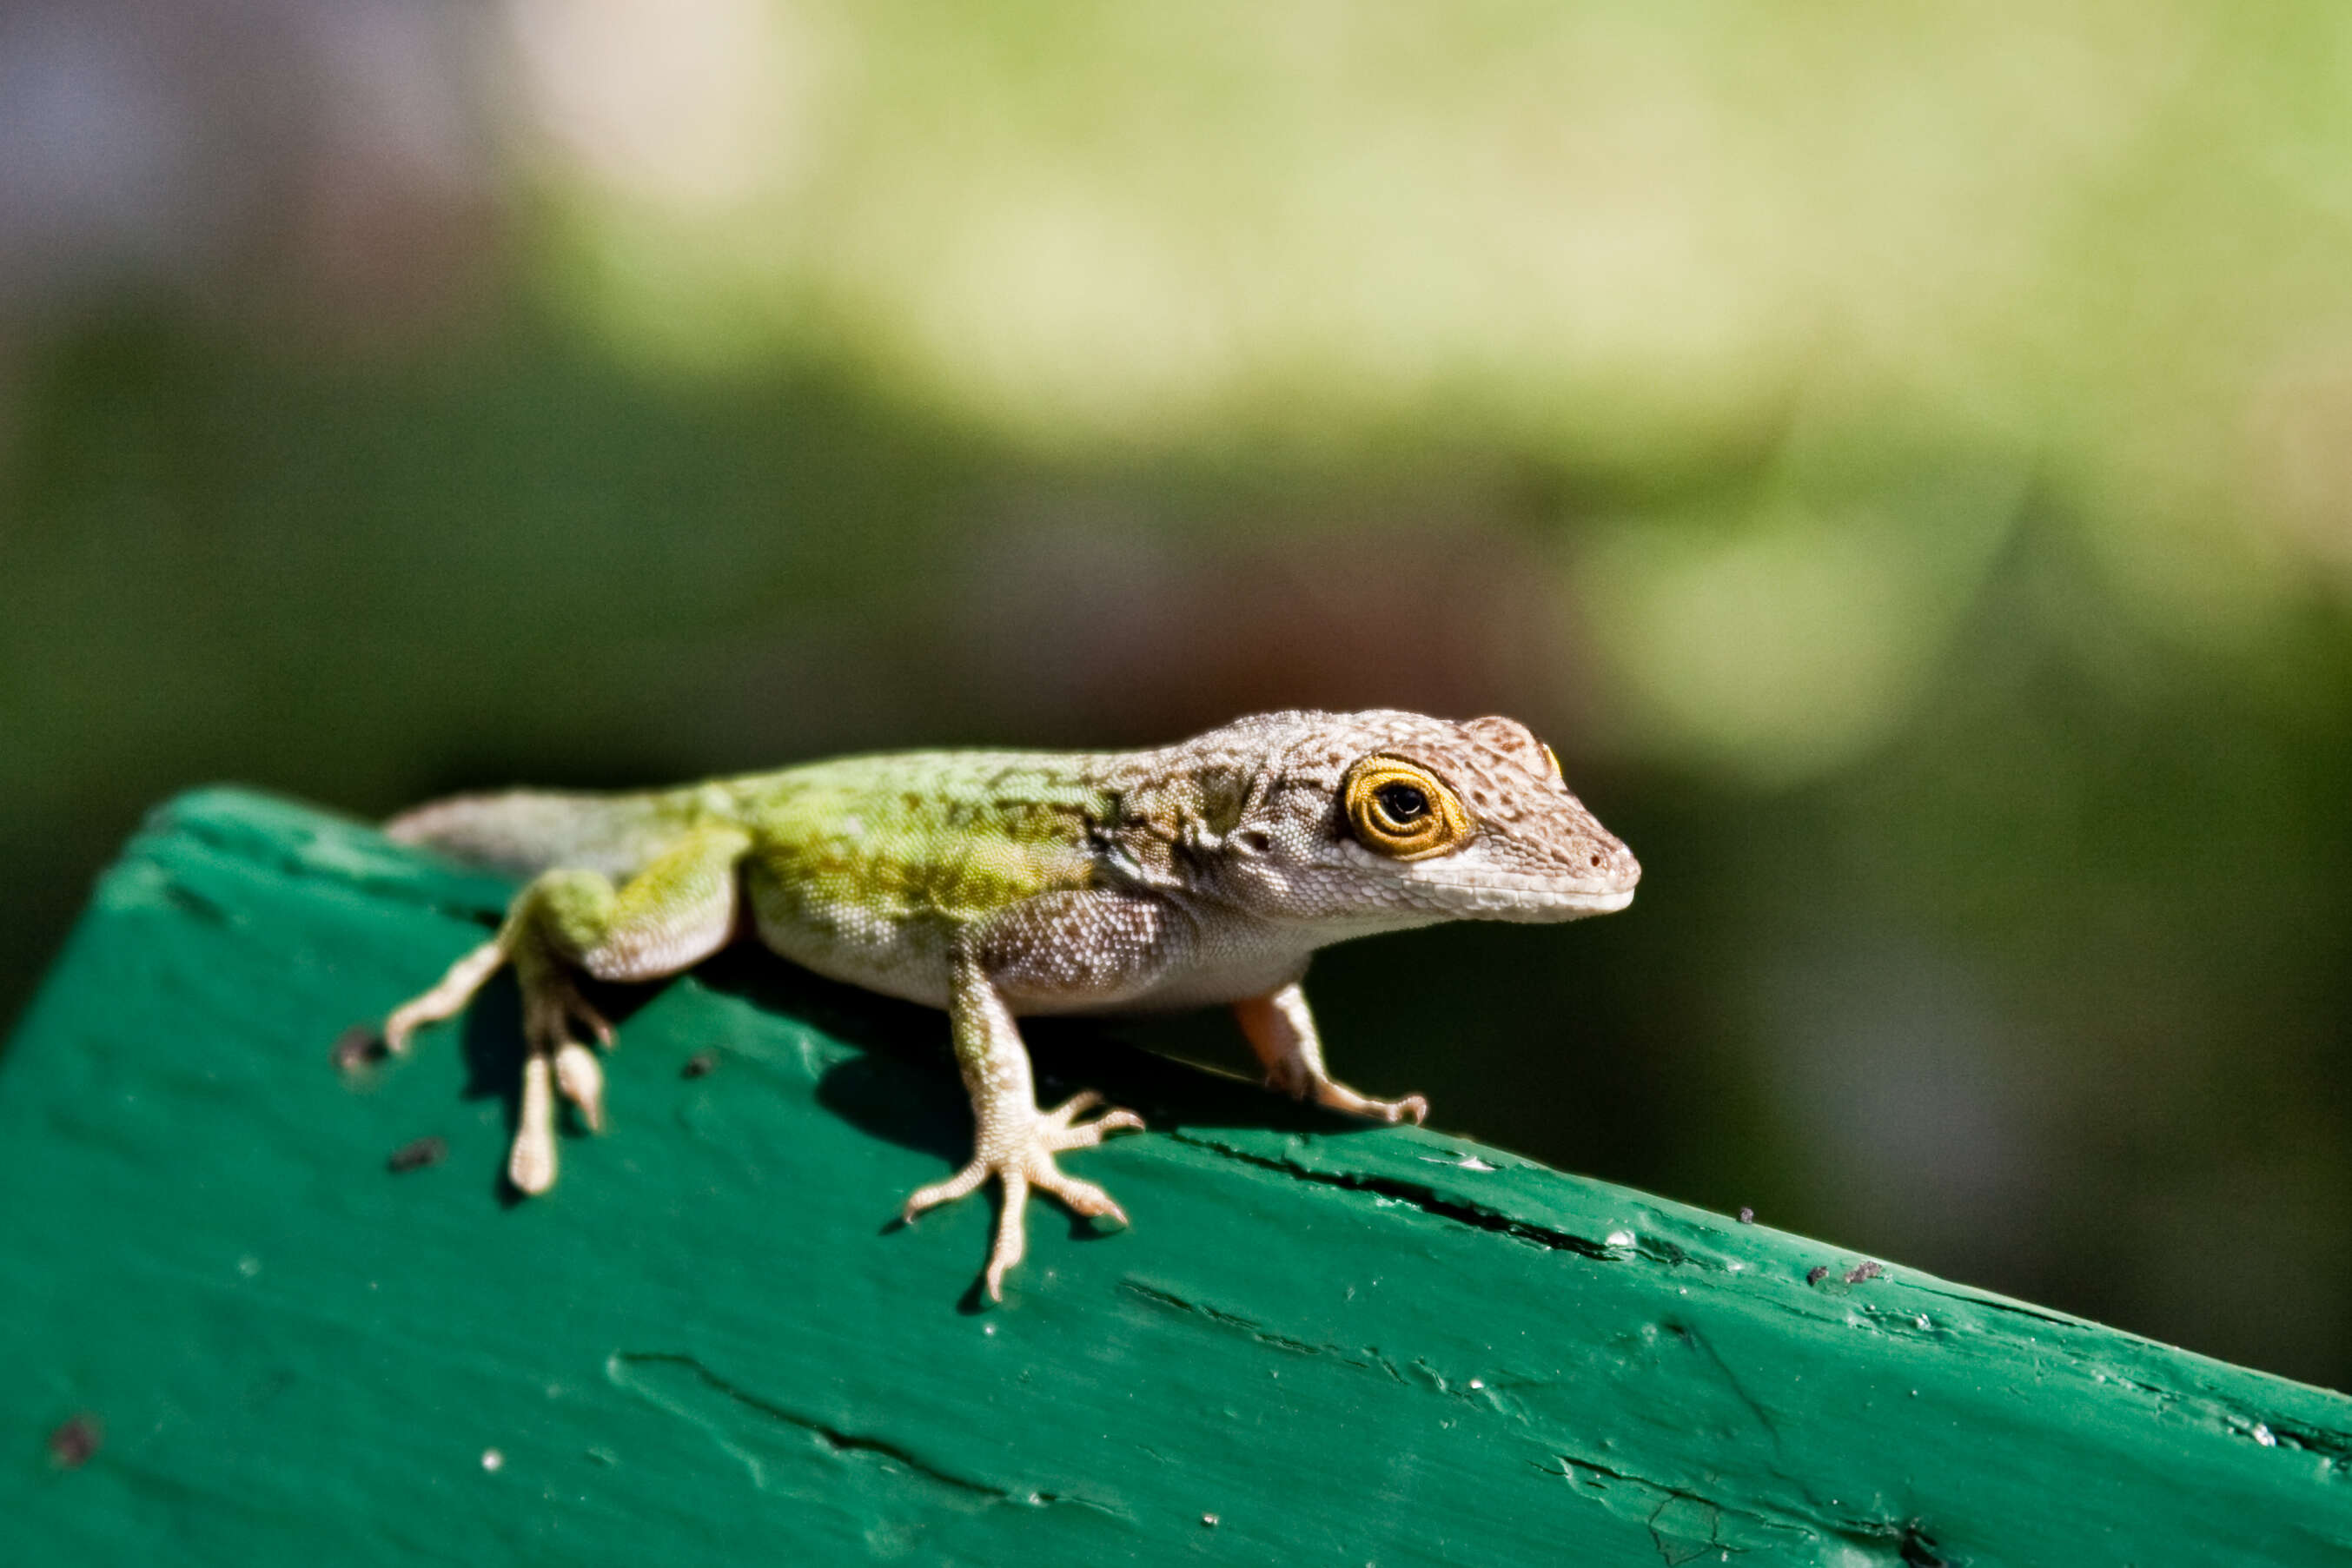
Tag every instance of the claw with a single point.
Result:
(581, 1081)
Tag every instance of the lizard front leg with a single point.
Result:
(1282, 1031)
(1060, 949)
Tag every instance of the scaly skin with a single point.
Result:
(995, 884)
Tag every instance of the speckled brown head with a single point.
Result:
(1386, 819)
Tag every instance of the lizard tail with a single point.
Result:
(525, 831)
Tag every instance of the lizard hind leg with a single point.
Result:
(676, 911)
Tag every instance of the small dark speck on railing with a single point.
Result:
(416, 1155)
(357, 1049)
(74, 1443)
(701, 1064)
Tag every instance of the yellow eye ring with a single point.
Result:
(1401, 810)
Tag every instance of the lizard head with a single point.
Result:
(1389, 818)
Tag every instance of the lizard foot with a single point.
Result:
(552, 1004)
(1299, 1085)
(1025, 1160)
(558, 1062)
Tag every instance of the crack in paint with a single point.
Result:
(1366, 1358)
(1990, 1302)
(622, 1368)
(1429, 1200)
(1917, 1548)
(2334, 1448)
(2256, 1424)
(1687, 1526)
(1706, 1347)
(1264, 1335)
(1684, 1525)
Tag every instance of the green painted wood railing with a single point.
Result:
(233, 1335)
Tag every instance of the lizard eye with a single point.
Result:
(1400, 804)
(1551, 760)
(1401, 810)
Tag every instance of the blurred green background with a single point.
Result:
(1900, 456)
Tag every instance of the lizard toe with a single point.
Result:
(1081, 1196)
(581, 1081)
(530, 1164)
(1054, 1138)
(1027, 1163)
(1069, 1110)
(961, 1185)
(1012, 1233)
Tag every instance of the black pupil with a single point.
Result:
(1402, 802)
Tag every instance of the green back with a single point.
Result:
(919, 837)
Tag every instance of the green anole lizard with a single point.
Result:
(998, 883)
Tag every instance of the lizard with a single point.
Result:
(999, 883)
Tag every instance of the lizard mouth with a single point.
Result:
(1530, 899)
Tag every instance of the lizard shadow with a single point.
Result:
(492, 1045)
(900, 1083)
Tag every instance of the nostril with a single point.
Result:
(1596, 859)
